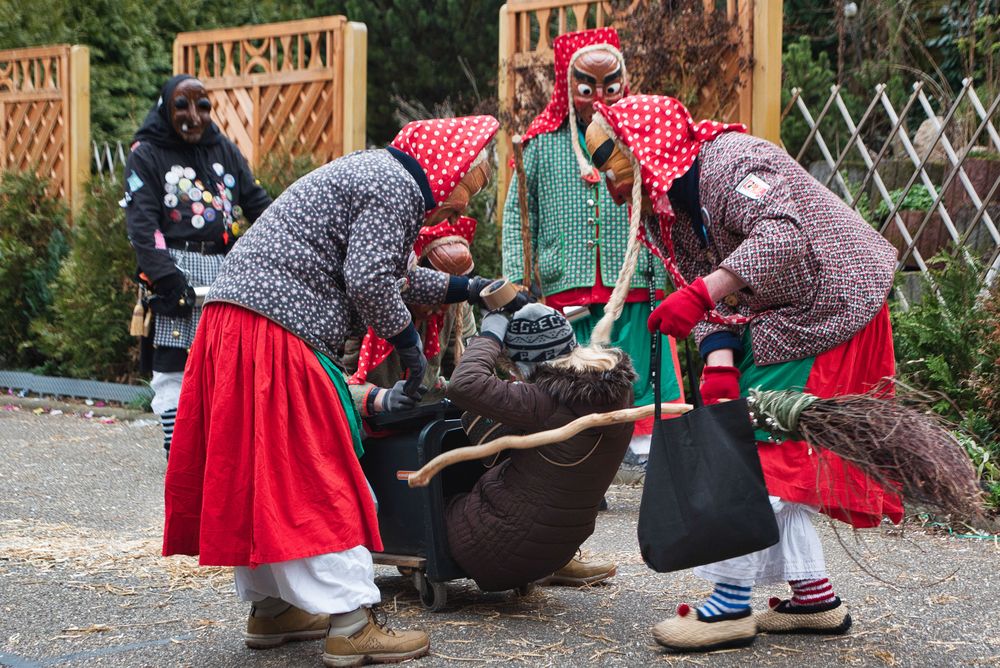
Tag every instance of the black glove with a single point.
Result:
(476, 285)
(522, 299)
(396, 399)
(414, 364)
(172, 296)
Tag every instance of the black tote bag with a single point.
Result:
(704, 498)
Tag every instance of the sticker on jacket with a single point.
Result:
(134, 182)
(753, 187)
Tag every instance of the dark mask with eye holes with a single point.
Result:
(190, 110)
(595, 76)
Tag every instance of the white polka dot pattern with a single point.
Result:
(329, 257)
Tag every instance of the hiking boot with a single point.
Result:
(782, 617)
(580, 572)
(375, 643)
(289, 626)
(689, 632)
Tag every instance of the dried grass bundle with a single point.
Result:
(897, 446)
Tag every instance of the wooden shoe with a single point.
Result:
(689, 632)
(291, 625)
(375, 643)
(782, 617)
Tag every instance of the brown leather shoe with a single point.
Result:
(290, 626)
(580, 572)
(375, 643)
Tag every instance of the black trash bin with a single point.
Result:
(411, 520)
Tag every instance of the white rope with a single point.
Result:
(602, 331)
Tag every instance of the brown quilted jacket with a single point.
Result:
(527, 516)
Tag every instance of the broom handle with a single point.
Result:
(423, 477)
(522, 202)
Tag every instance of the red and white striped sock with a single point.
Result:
(812, 592)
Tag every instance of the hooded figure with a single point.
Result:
(784, 287)
(265, 475)
(578, 236)
(188, 193)
(527, 516)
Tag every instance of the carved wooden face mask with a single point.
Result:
(190, 110)
(595, 76)
(609, 158)
(458, 200)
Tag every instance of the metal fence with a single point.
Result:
(926, 175)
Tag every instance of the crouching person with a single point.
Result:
(527, 516)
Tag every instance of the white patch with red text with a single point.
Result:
(753, 187)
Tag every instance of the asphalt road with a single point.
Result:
(81, 582)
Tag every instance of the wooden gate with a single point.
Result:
(45, 116)
(527, 28)
(297, 86)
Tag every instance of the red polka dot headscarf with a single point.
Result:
(446, 148)
(665, 140)
(374, 349)
(564, 47)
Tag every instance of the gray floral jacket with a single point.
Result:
(816, 272)
(331, 255)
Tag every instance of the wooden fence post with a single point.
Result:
(355, 85)
(767, 27)
(506, 99)
(78, 125)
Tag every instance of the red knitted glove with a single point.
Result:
(682, 310)
(719, 382)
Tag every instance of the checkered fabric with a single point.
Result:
(573, 223)
(200, 270)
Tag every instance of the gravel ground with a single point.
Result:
(81, 582)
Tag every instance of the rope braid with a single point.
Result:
(778, 411)
(602, 331)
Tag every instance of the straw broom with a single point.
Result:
(895, 445)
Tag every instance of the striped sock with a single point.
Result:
(812, 592)
(167, 420)
(725, 599)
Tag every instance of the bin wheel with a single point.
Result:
(525, 589)
(433, 595)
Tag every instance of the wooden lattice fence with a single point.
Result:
(297, 86)
(45, 116)
(527, 28)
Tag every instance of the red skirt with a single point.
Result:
(795, 472)
(262, 467)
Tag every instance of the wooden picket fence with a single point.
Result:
(45, 116)
(527, 28)
(296, 86)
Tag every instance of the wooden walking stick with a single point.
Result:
(517, 148)
(423, 477)
(903, 449)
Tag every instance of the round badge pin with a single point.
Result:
(189, 173)
(209, 215)
(206, 197)
(170, 188)
(197, 222)
(184, 184)
(184, 197)
(229, 180)
(175, 215)
(217, 204)
(198, 184)
(227, 206)
(177, 169)
(194, 194)
(170, 200)
(171, 177)
(237, 211)
(197, 208)
(229, 193)
(219, 169)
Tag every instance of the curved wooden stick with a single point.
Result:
(422, 478)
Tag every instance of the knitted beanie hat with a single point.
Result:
(538, 333)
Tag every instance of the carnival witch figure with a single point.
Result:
(578, 236)
(783, 286)
(264, 474)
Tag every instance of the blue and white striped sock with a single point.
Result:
(726, 599)
(167, 419)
